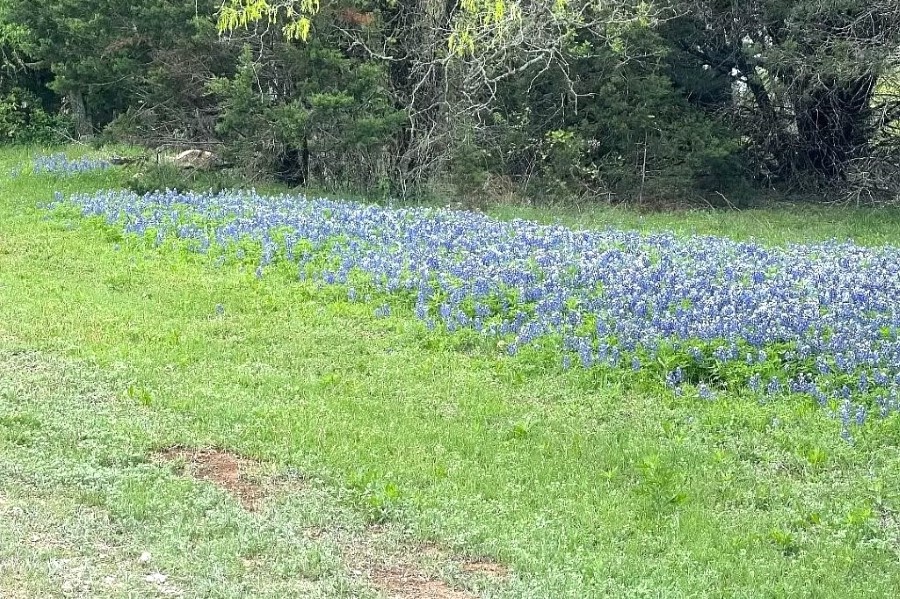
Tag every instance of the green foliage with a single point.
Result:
(622, 131)
(151, 177)
(481, 98)
(806, 82)
(96, 52)
(307, 113)
(23, 119)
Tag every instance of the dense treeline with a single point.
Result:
(629, 100)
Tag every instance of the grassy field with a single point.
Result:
(380, 458)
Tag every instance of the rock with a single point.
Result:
(196, 159)
(156, 578)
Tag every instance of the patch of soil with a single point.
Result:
(485, 568)
(390, 565)
(403, 583)
(228, 471)
(399, 569)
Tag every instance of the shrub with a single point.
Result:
(23, 119)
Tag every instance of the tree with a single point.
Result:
(96, 50)
(446, 58)
(807, 76)
(308, 113)
(625, 131)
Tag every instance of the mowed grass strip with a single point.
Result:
(84, 513)
(584, 483)
(89, 508)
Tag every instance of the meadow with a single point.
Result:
(595, 403)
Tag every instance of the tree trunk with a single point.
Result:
(418, 79)
(82, 121)
(304, 160)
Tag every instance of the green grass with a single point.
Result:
(777, 224)
(585, 483)
(80, 504)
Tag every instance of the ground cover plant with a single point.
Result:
(707, 314)
(586, 482)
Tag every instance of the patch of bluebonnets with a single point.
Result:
(705, 314)
(61, 164)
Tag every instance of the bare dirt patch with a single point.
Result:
(236, 475)
(485, 568)
(396, 567)
(402, 583)
(403, 569)
(395, 571)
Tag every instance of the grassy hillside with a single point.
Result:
(583, 483)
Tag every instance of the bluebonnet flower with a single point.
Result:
(863, 384)
(845, 416)
(831, 304)
(61, 164)
(820, 396)
(585, 354)
(754, 382)
(674, 378)
(845, 411)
